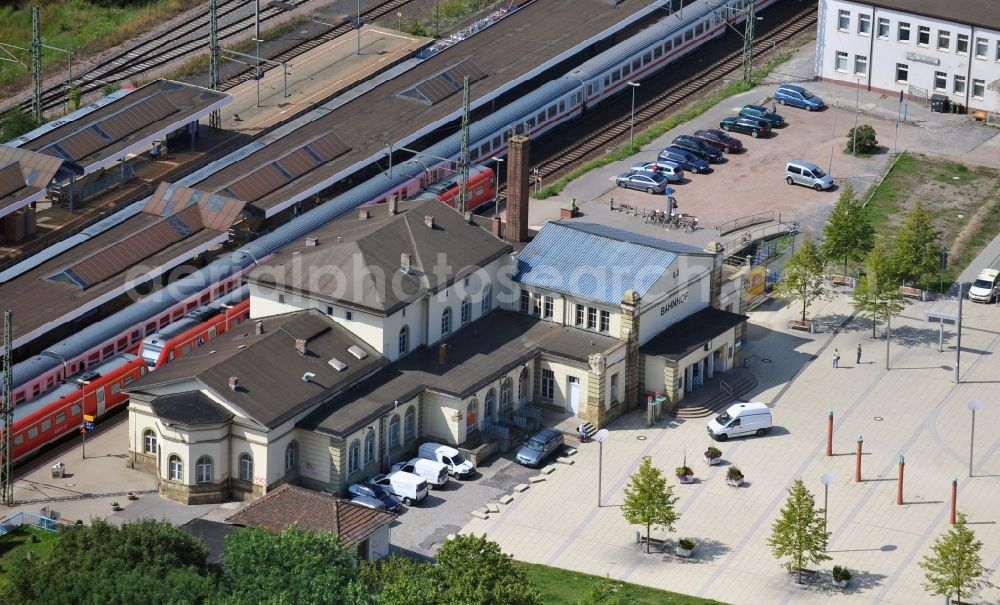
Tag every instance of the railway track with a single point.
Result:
(652, 110)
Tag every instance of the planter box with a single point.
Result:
(712, 461)
(685, 478)
(734, 483)
(568, 213)
(683, 552)
(841, 583)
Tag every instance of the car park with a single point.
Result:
(797, 96)
(648, 181)
(406, 486)
(431, 471)
(762, 113)
(671, 171)
(986, 287)
(539, 447)
(801, 172)
(741, 419)
(751, 126)
(457, 465)
(683, 158)
(698, 147)
(719, 140)
(375, 492)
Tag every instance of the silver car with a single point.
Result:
(800, 172)
(672, 171)
(540, 446)
(650, 182)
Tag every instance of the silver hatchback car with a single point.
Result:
(672, 171)
(800, 172)
(650, 182)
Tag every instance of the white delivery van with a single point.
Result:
(433, 472)
(986, 287)
(741, 419)
(406, 486)
(448, 456)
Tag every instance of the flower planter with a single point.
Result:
(683, 552)
(685, 478)
(712, 461)
(841, 583)
(132, 496)
(734, 482)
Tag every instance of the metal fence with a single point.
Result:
(9, 524)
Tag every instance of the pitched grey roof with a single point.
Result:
(359, 270)
(981, 13)
(190, 408)
(268, 367)
(689, 333)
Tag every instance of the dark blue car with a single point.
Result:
(683, 158)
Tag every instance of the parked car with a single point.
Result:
(648, 181)
(374, 492)
(368, 502)
(672, 171)
(800, 172)
(762, 113)
(986, 287)
(431, 471)
(406, 486)
(683, 158)
(542, 445)
(719, 140)
(741, 419)
(797, 96)
(698, 147)
(751, 126)
(457, 465)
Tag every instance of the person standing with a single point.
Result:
(858, 362)
(836, 358)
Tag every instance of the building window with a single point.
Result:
(354, 456)
(149, 441)
(466, 311)
(203, 470)
(979, 88)
(591, 318)
(614, 387)
(536, 304)
(471, 411)
(525, 301)
(958, 86)
(547, 308)
(902, 72)
(860, 65)
(944, 40)
(348, 315)
(923, 35)
(329, 310)
(489, 403)
(487, 300)
(940, 80)
(369, 446)
(409, 424)
(841, 64)
(404, 340)
(394, 431)
(246, 467)
(982, 48)
(445, 322)
(505, 394)
(883, 28)
(844, 20)
(605, 321)
(291, 455)
(176, 468)
(962, 44)
(903, 32)
(548, 385)
(522, 387)
(578, 316)
(998, 51)
(864, 25)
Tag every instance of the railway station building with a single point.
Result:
(922, 48)
(408, 323)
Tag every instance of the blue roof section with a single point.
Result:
(595, 266)
(635, 238)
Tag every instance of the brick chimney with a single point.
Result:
(364, 214)
(258, 327)
(393, 204)
(518, 167)
(429, 221)
(443, 353)
(234, 383)
(300, 346)
(405, 260)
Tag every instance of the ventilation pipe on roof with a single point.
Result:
(300, 346)
(443, 353)
(312, 242)
(363, 214)
(258, 327)
(429, 221)
(405, 260)
(393, 204)
(468, 218)
(234, 383)
(340, 240)
(308, 376)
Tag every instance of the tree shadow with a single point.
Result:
(821, 582)
(909, 336)
(705, 551)
(836, 322)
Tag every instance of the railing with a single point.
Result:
(746, 221)
(496, 430)
(727, 388)
(9, 524)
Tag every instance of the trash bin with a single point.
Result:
(58, 470)
(939, 103)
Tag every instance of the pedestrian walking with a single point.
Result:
(836, 358)
(858, 362)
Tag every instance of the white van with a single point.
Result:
(432, 471)
(986, 287)
(406, 486)
(448, 456)
(741, 419)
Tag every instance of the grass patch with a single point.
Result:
(18, 542)
(451, 12)
(656, 130)
(563, 587)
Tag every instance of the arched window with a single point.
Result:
(489, 404)
(369, 447)
(149, 441)
(291, 455)
(410, 424)
(176, 468)
(246, 467)
(471, 411)
(404, 340)
(445, 322)
(505, 389)
(203, 470)
(522, 387)
(354, 456)
(466, 311)
(394, 430)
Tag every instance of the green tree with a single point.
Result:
(876, 294)
(799, 533)
(140, 562)
(955, 566)
(649, 500)
(866, 141)
(15, 123)
(75, 95)
(803, 277)
(848, 234)
(915, 250)
(473, 569)
(294, 565)
(399, 581)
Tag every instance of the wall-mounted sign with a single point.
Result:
(676, 301)
(923, 59)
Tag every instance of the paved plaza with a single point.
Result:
(914, 410)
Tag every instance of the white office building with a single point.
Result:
(919, 47)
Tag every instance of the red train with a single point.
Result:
(482, 188)
(97, 390)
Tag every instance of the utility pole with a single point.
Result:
(748, 43)
(215, 118)
(6, 478)
(463, 159)
(36, 64)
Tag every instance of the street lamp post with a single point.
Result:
(600, 437)
(857, 108)
(631, 127)
(826, 479)
(973, 405)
